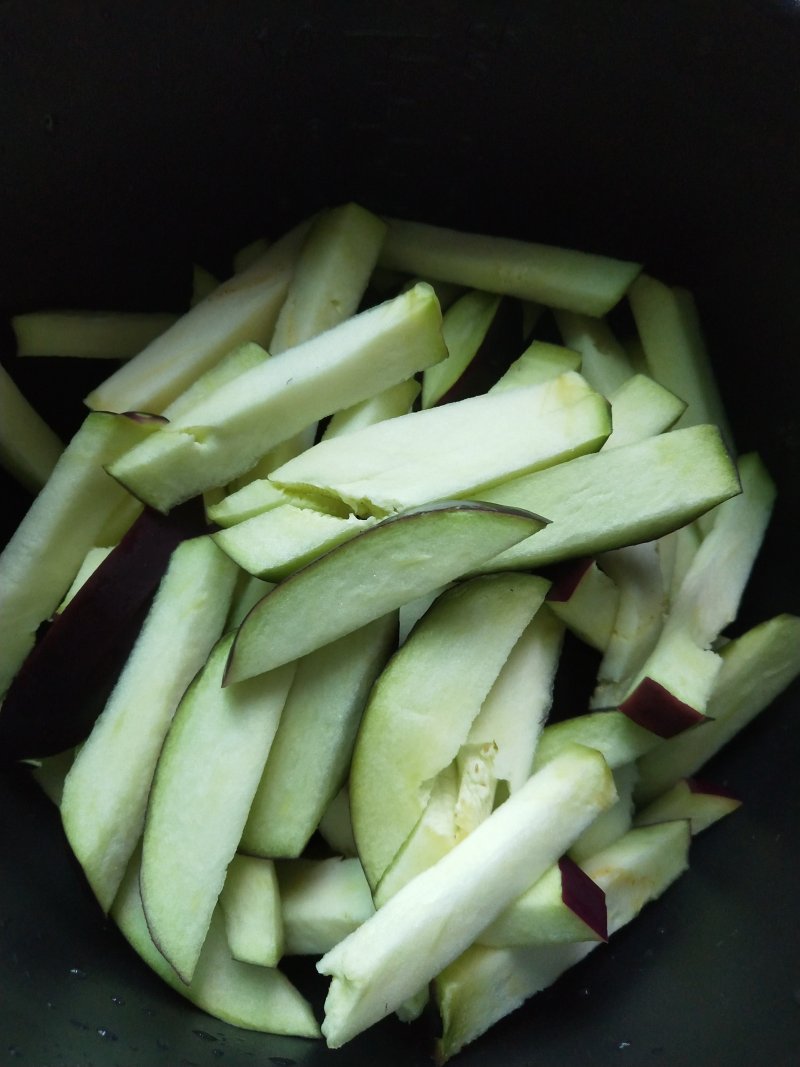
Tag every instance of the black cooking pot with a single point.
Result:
(139, 137)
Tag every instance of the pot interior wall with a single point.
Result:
(140, 138)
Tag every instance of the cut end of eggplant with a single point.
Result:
(654, 707)
(702, 785)
(491, 359)
(584, 897)
(566, 577)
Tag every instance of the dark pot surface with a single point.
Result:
(142, 137)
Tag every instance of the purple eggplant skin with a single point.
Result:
(565, 577)
(584, 897)
(702, 785)
(652, 706)
(63, 685)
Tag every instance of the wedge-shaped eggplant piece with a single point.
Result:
(88, 334)
(430, 922)
(676, 552)
(432, 837)
(585, 599)
(556, 277)
(224, 436)
(336, 827)
(454, 450)
(671, 689)
(422, 707)
(712, 588)
(207, 774)
(106, 791)
(641, 408)
(243, 994)
(246, 595)
(515, 708)
(563, 906)
(756, 668)
(464, 326)
(327, 286)
(485, 984)
(501, 341)
(612, 824)
(675, 351)
(499, 746)
(244, 308)
(310, 755)
(338, 255)
(540, 362)
(251, 904)
(282, 539)
(641, 607)
(701, 802)
(66, 680)
(61, 525)
(369, 576)
(618, 497)
(91, 561)
(252, 499)
(322, 901)
(669, 707)
(604, 361)
(611, 732)
(29, 449)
